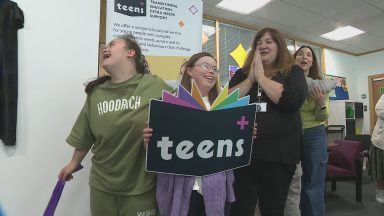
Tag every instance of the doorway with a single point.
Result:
(376, 89)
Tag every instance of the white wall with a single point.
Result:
(356, 69)
(57, 52)
(368, 65)
(344, 65)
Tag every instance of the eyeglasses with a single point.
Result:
(207, 67)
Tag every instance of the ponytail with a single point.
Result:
(140, 61)
(91, 85)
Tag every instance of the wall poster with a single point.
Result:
(341, 90)
(168, 31)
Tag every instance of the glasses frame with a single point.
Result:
(207, 67)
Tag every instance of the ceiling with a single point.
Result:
(306, 20)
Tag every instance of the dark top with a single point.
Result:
(279, 131)
(11, 19)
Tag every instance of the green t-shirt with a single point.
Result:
(111, 123)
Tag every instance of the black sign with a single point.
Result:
(195, 142)
(131, 7)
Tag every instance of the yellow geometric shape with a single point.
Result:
(197, 96)
(181, 23)
(222, 96)
(239, 55)
(204, 38)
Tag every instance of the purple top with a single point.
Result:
(173, 193)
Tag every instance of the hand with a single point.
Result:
(66, 172)
(254, 134)
(318, 95)
(147, 133)
(251, 76)
(257, 66)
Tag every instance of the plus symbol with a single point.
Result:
(242, 122)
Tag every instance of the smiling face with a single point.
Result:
(115, 53)
(268, 49)
(204, 74)
(304, 59)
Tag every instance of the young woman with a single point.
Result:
(110, 125)
(306, 60)
(209, 195)
(270, 76)
(314, 113)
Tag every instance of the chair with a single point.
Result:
(365, 139)
(345, 163)
(334, 132)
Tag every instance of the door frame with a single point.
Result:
(371, 103)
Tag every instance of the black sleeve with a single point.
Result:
(295, 90)
(237, 78)
(18, 17)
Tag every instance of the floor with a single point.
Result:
(342, 202)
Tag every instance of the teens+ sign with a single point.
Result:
(196, 142)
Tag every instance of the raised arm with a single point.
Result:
(271, 88)
(326, 85)
(295, 90)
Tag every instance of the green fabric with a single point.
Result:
(312, 115)
(107, 204)
(376, 164)
(111, 124)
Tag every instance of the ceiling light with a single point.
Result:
(209, 30)
(242, 6)
(342, 33)
(291, 48)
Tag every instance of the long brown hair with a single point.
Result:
(284, 60)
(314, 71)
(140, 61)
(186, 80)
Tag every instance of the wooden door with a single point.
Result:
(376, 89)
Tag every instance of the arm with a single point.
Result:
(82, 139)
(295, 90)
(244, 87)
(326, 85)
(271, 88)
(78, 156)
(380, 108)
(147, 134)
(242, 82)
(322, 112)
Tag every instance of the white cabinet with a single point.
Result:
(347, 113)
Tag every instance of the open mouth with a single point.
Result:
(105, 56)
(303, 63)
(208, 77)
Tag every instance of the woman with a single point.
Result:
(292, 206)
(271, 78)
(194, 196)
(376, 168)
(314, 113)
(110, 124)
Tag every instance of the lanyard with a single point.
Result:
(259, 90)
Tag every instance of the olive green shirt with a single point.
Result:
(111, 125)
